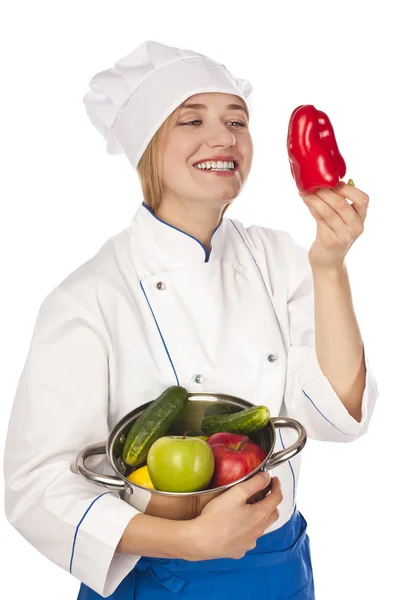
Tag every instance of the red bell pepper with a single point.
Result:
(314, 157)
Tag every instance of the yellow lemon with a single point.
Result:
(141, 477)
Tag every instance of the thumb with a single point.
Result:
(254, 484)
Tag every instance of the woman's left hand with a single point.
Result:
(339, 223)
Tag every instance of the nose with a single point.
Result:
(219, 135)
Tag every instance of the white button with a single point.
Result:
(198, 378)
(271, 357)
(239, 268)
(160, 285)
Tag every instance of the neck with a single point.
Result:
(192, 218)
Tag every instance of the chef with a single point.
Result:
(186, 296)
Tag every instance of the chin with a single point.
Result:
(219, 201)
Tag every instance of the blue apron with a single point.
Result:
(278, 568)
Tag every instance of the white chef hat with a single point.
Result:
(130, 101)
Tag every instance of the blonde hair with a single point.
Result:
(149, 166)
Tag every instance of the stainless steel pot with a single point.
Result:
(184, 505)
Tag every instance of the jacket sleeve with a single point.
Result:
(309, 396)
(59, 408)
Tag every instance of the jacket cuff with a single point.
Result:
(325, 410)
(93, 557)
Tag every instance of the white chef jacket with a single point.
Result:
(149, 310)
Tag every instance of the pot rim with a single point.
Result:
(118, 427)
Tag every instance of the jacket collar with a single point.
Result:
(170, 244)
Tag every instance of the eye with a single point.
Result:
(191, 122)
(240, 123)
(199, 121)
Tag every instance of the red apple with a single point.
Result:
(235, 455)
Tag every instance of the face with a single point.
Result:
(203, 134)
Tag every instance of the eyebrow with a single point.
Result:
(229, 107)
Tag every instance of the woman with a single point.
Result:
(190, 297)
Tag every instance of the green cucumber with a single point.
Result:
(152, 424)
(244, 421)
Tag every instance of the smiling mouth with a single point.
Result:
(216, 170)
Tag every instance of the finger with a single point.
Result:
(339, 204)
(254, 484)
(274, 498)
(359, 198)
(323, 214)
(273, 517)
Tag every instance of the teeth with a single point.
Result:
(225, 165)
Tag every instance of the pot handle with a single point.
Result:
(108, 481)
(283, 455)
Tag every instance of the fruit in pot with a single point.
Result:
(180, 464)
(141, 477)
(235, 456)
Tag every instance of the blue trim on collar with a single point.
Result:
(181, 231)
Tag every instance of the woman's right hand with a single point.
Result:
(228, 527)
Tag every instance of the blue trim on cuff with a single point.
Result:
(291, 468)
(322, 415)
(161, 336)
(77, 528)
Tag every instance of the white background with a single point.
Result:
(62, 197)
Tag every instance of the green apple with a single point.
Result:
(202, 437)
(180, 464)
